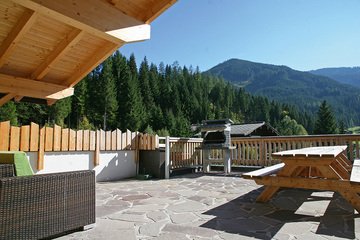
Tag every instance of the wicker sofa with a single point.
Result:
(42, 206)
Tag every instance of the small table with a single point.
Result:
(318, 168)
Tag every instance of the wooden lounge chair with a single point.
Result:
(42, 206)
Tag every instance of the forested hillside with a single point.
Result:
(305, 90)
(348, 75)
(164, 98)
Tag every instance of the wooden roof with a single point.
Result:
(253, 129)
(47, 46)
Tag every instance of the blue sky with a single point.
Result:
(302, 34)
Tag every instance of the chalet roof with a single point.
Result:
(47, 46)
(248, 129)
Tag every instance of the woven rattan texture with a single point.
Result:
(39, 206)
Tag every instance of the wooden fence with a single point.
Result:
(184, 152)
(256, 151)
(32, 138)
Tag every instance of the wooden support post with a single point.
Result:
(40, 160)
(97, 149)
(206, 163)
(167, 157)
(227, 161)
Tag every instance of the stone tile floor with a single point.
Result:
(214, 206)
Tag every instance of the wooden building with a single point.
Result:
(47, 46)
(252, 130)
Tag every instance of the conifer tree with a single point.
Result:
(79, 101)
(131, 107)
(59, 111)
(325, 123)
(145, 89)
(8, 113)
(103, 96)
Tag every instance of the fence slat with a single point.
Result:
(14, 138)
(72, 140)
(57, 138)
(102, 140)
(133, 140)
(49, 136)
(123, 141)
(79, 140)
(86, 140)
(25, 138)
(108, 140)
(92, 141)
(113, 140)
(128, 139)
(4, 135)
(34, 137)
(118, 139)
(65, 139)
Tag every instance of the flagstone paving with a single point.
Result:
(214, 206)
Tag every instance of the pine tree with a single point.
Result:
(325, 123)
(29, 112)
(122, 75)
(146, 93)
(79, 101)
(8, 113)
(133, 66)
(59, 111)
(131, 106)
(103, 103)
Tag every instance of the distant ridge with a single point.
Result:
(348, 75)
(303, 89)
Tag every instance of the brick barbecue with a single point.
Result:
(216, 135)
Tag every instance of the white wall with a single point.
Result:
(113, 165)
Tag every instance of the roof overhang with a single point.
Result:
(47, 46)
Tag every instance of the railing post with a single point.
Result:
(167, 157)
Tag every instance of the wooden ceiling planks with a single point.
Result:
(144, 10)
(48, 46)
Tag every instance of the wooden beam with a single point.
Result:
(18, 98)
(156, 9)
(98, 57)
(93, 16)
(6, 98)
(16, 34)
(50, 102)
(65, 45)
(146, 12)
(31, 88)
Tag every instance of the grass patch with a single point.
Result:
(354, 130)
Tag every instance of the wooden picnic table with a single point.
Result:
(318, 168)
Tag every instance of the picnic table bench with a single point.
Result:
(317, 168)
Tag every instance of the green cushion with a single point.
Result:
(19, 159)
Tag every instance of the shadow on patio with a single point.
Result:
(292, 211)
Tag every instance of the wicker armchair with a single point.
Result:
(42, 206)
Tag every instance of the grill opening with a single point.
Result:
(216, 137)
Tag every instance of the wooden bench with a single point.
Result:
(264, 171)
(355, 171)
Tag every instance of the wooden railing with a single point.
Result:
(184, 152)
(256, 151)
(32, 138)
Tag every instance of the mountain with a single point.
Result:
(303, 89)
(348, 75)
